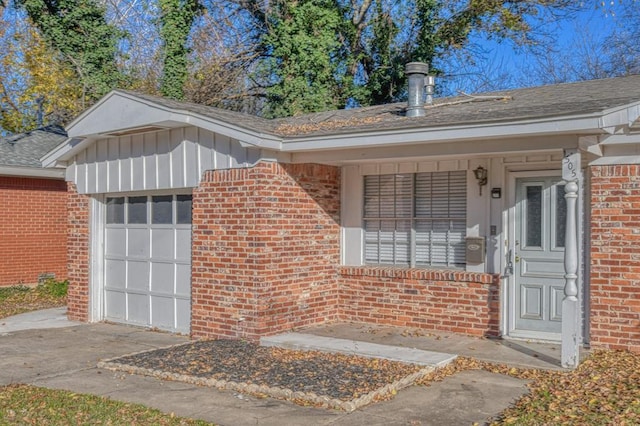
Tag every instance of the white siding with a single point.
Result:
(169, 159)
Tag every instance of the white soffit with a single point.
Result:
(617, 119)
(35, 172)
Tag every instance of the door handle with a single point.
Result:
(517, 259)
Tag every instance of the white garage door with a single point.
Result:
(148, 261)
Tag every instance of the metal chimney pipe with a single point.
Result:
(416, 73)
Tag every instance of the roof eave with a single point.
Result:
(177, 117)
(626, 116)
(245, 136)
(34, 172)
(58, 156)
(609, 121)
(594, 123)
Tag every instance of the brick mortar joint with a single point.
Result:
(419, 274)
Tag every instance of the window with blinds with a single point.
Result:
(416, 219)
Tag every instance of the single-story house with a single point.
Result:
(219, 224)
(33, 213)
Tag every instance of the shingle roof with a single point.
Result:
(532, 103)
(26, 149)
(500, 106)
(250, 122)
(507, 105)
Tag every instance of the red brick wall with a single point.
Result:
(78, 250)
(615, 259)
(265, 260)
(458, 302)
(33, 229)
(265, 249)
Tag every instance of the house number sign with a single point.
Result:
(570, 165)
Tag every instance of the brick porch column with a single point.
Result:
(78, 252)
(266, 247)
(615, 259)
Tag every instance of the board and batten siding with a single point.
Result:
(168, 159)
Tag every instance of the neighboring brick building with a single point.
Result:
(33, 217)
(215, 223)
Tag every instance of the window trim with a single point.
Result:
(148, 196)
(458, 221)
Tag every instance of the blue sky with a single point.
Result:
(512, 66)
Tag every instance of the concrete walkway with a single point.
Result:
(517, 353)
(37, 320)
(301, 341)
(66, 358)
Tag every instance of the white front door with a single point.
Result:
(538, 258)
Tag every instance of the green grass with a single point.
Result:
(53, 288)
(19, 299)
(30, 405)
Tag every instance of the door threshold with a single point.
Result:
(534, 336)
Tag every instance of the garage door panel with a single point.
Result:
(116, 239)
(138, 243)
(183, 315)
(138, 275)
(163, 277)
(162, 244)
(116, 305)
(116, 273)
(183, 245)
(163, 312)
(183, 280)
(147, 264)
(138, 308)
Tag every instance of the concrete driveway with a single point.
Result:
(66, 358)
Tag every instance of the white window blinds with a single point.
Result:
(416, 220)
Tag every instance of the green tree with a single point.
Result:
(79, 31)
(36, 86)
(176, 20)
(305, 58)
(331, 53)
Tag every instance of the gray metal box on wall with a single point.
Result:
(475, 250)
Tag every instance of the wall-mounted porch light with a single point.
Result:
(481, 176)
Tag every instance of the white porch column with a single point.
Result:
(570, 304)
